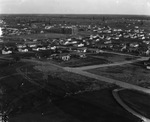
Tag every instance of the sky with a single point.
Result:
(134, 7)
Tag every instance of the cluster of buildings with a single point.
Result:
(128, 40)
(131, 41)
(36, 28)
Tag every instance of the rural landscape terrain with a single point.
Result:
(74, 68)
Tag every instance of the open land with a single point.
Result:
(130, 73)
(39, 36)
(78, 108)
(63, 96)
(74, 62)
(113, 57)
(131, 98)
(60, 67)
(94, 59)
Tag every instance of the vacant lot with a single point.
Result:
(25, 55)
(7, 67)
(39, 36)
(138, 101)
(131, 73)
(50, 103)
(64, 80)
(22, 98)
(78, 62)
(112, 57)
(97, 106)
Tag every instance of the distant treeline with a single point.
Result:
(60, 30)
(44, 17)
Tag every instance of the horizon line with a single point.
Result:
(69, 14)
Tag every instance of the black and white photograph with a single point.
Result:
(74, 60)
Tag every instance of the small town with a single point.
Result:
(74, 61)
(135, 41)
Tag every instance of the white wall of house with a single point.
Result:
(6, 52)
(23, 50)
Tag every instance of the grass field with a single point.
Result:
(130, 73)
(38, 36)
(71, 82)
(26, 55)
(78, 62)
(112, 57)
(7, 67)
(138, 101)
(97, 106)
(31, 103)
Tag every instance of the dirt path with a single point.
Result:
(97, 77)
(8, 76)
(108, 80)
(119, 100)
(94, 76)
(123, 54)
(113, 64)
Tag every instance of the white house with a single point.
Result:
(65, 58)
(4, 52)
(23, 50)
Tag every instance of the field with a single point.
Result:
(94, 59)
(131, 73)
(55, 84)
(38, 36)
(112, 57)
(78, 62)
(89, 107)
(57, 97)
(40, 90)
(138, 101)
(74, 81)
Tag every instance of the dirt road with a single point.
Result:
(119, 100)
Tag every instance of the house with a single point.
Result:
(63, 57)
(146, 42)
(70, 42)
(95, 51)
(53, 48)
(42, 48)
(83, 50)
(124, 48)
(23, 50)
(108, 38)
(21, 45)
(108, 42)
(147, 64)
(79, 45)
(39, 47)
(134, 44)
(5, 51)
(82, 55)
(147, 52)
(78, 55)
(35, 49)
(32, 45)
